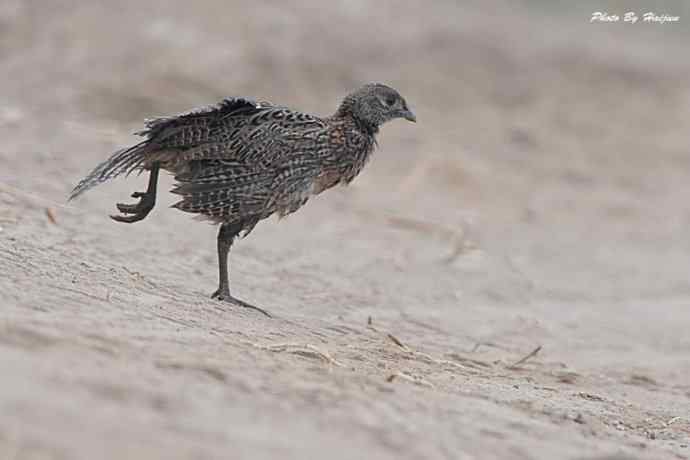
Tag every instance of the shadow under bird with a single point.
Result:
(240, 161)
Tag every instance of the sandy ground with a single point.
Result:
(541, 203)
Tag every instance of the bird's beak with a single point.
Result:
(408, 115)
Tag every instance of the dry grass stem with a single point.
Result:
(463, 365)
(525, 358)
(307, 350)
(410, 378)
(50, 213)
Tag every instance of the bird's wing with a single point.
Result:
(238, 129)
(162, 128)
(260, 161)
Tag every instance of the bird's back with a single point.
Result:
(242, 161)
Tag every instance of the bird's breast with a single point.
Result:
(325, 180)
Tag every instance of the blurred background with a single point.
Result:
(542, 197)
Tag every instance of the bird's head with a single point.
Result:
(374, 104)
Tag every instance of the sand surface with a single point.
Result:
(537, 214)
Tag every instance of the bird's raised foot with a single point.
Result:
(226, 297)
(139, 210)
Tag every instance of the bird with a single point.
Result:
(240, 161)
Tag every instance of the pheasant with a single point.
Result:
(240, 161)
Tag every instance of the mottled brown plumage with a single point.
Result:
(241, 161)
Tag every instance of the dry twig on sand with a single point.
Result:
(50, 213)
(459, 362)
(417, 380)
(307, 350)
(396, 341)
(464, 363)
(524, 358)
(673, 420)
(471, 362)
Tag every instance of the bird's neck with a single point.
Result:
(366, 127)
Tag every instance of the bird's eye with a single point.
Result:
(389, 101)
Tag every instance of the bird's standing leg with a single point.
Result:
(226, 236)
(147, 200)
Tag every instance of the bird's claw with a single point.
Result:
(226, 297)
(138, 211)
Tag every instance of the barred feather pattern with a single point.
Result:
(241, 161)
(170, 140)
(270, 162)
(121, 162)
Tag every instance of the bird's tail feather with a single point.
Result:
(121, 162)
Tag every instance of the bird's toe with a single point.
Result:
(225, 296)
(127, 208)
